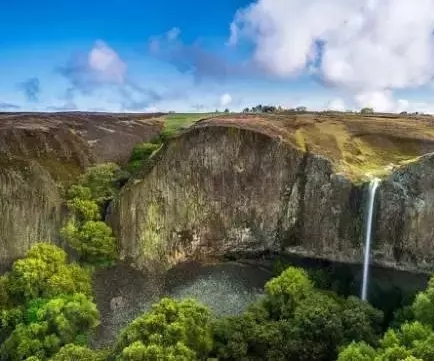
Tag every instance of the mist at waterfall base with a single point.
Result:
(373, 185)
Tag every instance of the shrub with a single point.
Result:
(180, 329)
(45, 273)
(50, 324)
(94, 241)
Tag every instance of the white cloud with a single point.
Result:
(173, 34)
(369, 47)
(106, 63)
(225, 100)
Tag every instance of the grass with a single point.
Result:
(178, 121)
(359, 146)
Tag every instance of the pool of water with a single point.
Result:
(123, 293)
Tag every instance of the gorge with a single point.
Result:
(216, 206)
(247, 184)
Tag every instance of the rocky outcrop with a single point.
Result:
(30, 207)
(42, 153)
(404, 231)
(224, 188)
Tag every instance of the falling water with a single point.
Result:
(372, 189)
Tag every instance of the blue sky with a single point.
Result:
(166, 55)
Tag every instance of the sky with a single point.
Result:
(198, 56)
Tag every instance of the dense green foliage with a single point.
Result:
(413, 340)
(49, 324)
(85, 232)
(295, 321)
(47, 313)
(45, 303)
(44, 272)
(71, 352)
(171, 330)
(140, 154)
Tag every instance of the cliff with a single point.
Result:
(41, 153)
(283, 183)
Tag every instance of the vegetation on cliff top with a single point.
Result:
(358, 145)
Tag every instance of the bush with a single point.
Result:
(143, 151)
(287, 291)
(84, 210)
(93, 241)
(179, 329)
(50, 324)
(101, 180)
(45, 273)
(140, 154)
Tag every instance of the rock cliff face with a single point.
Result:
(40, 153)
(248, 185)
(405, 217)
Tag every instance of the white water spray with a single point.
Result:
(372, 189)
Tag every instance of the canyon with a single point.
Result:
(230, 185)
(290, 184)
(41, 154)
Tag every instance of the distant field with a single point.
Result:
(176, 121)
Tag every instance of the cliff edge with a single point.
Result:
(41, 153)
(283, 183)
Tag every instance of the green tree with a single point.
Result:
(170, 325)
(73, 352)
(45, 273)
(318, 326)
(50, 324)
(79, 191)
(101, 180)
(367, 110)
(361, 321)
(360, 351)
(84, 210)
(137, 351)
(140, 154)
(94, 241)
(9, 319)
(287, 291)
(423, 305)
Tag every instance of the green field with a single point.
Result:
(176, 121)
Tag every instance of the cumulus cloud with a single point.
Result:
(225, 100)
(195, 59)
(31, 88)
(101, 70)
(369, 47)
(106, 63)
(9, 106)
(100, 66)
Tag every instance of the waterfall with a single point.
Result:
(373, 185)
